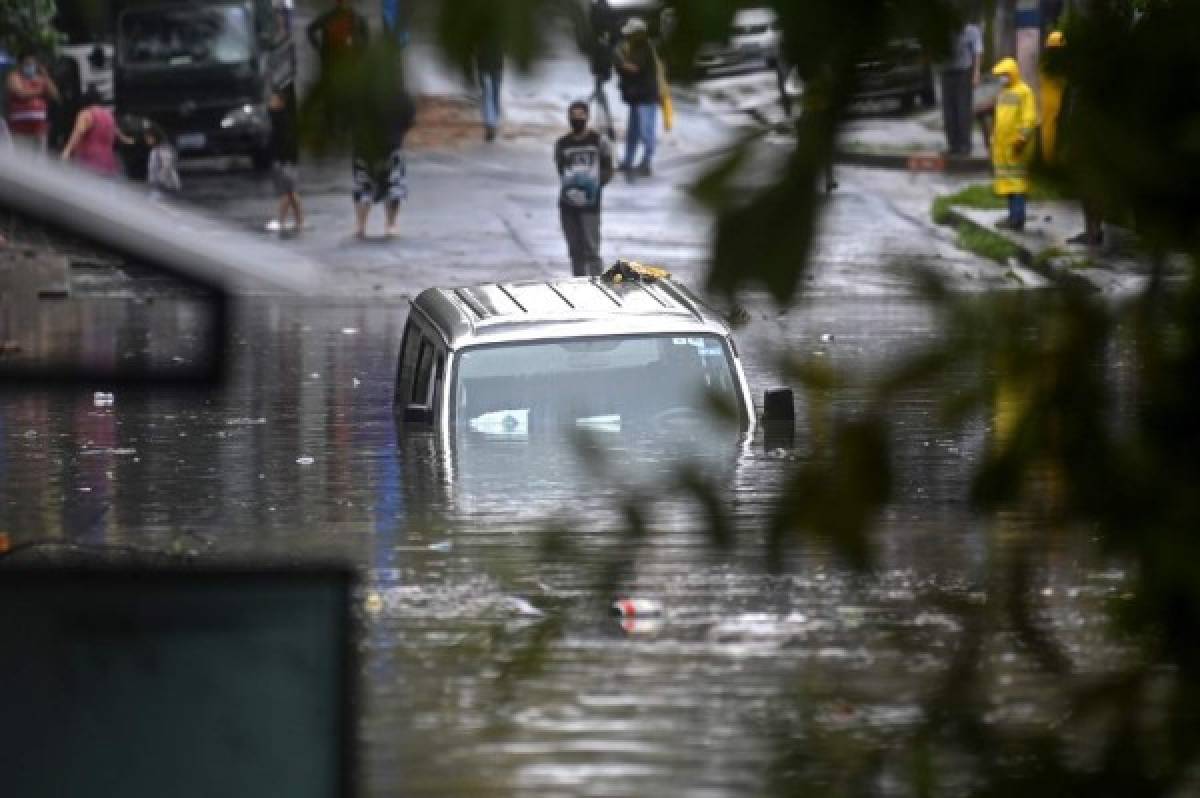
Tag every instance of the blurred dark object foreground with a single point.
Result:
(182, 682)
(168, 275)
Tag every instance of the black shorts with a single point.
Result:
(284, 175)
(381, 181)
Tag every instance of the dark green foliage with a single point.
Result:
(26, 24)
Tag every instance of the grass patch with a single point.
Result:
(986, 244)
(982, 242)
(982, 197)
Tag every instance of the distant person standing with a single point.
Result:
(960, 76)
(584, 162)
(285, 156)
(6, 64)
(338, 34)
(1050, 93)
(1012, 142)
(603, 32)
(29, 91)
(378, 166)
(93, 138)
(489, 71)
(639, 70)
(162, 164)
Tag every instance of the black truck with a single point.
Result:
(203, 70)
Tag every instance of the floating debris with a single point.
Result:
(244, 422)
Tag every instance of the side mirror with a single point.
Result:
(779, 419)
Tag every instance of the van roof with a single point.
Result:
(569, 307)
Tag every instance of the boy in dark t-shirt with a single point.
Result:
(583, 159)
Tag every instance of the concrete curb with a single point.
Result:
(915, 162)
(1027, 257)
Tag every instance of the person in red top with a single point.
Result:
(92, 140)
(29, 91)
(338, 34)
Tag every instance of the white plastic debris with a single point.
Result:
(442, 546)
(349, 331)
(826, 337)
(102, 399)
(637, 608)
(305, 460)
(520, 606)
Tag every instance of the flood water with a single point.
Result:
(491, 663)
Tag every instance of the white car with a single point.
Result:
(756, 32)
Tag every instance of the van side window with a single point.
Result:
(408, 360)
(424, 371)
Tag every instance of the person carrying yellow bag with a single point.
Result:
(1012, 143)
(664, 96)
(643, 88)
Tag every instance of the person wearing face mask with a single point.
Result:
(584, 162)
(30, 91)
(1012, 142)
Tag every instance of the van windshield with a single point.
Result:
(185, 36)
(613, 384)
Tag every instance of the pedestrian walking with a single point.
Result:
(1012, 142)
(29, 91)
(93, 137)
(603, 36)
(640, 79)
(489, 71)
(584, 162)
(378, 165)
(959, 77)
(162, 163)
(338, 35)
(285, 156)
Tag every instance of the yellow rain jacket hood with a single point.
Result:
(1016, 123)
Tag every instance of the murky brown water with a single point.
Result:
(299, 456)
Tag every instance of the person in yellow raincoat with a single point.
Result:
(1052, 87)
(1016, 124)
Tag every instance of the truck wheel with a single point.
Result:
(928, 96)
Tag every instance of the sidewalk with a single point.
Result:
(1044, 247)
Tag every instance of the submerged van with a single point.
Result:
(517, 360)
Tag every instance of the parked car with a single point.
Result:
(529, 359)
(722, 60)
(756, 33)
(901, 73)
(653, 12)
